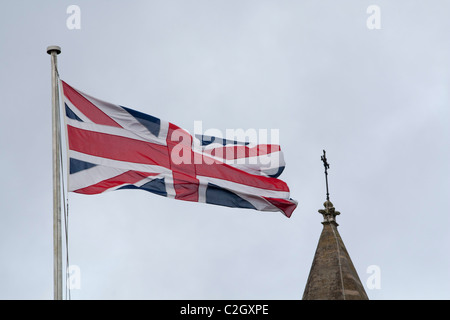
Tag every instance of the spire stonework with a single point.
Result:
(333, 275)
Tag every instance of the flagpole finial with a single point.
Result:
(50, 49)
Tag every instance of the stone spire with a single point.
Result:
(332, 275)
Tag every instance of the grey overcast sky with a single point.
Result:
(376, 99)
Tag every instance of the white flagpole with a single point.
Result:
(53, 51)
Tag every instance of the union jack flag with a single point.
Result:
(112, 147)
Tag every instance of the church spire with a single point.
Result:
(333, 275)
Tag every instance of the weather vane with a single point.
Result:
(327, 166)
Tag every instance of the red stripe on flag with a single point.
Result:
(287, 206)
(116, 147)
(179, 143)
(237, 152)
(87, 108)
(186, 187)
(227, 172)
(129, 177)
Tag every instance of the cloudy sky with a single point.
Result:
(376, 99)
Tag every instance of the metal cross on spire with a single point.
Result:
(327, 166)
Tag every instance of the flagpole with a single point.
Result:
(53, 51)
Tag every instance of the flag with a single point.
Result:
(112, 147)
